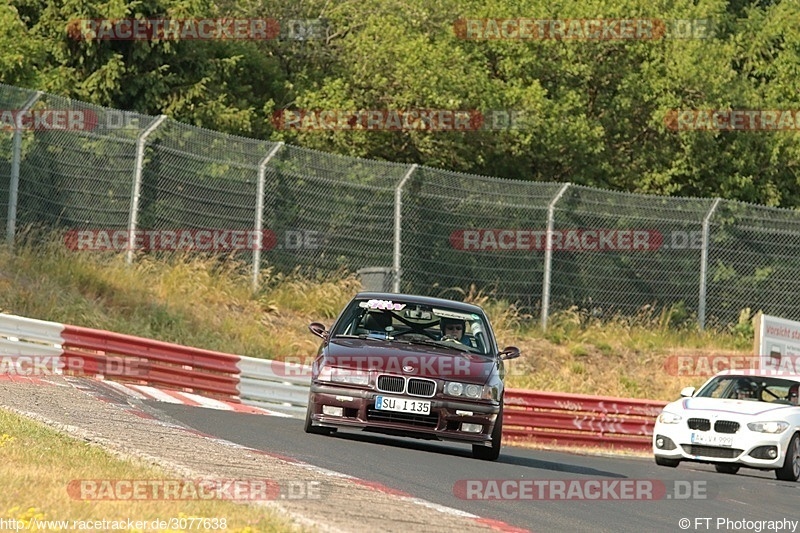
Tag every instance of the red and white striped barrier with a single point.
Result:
(30, 347)
(580, 420)
(129, 358)
(38, 346)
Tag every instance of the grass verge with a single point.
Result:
(37, 465)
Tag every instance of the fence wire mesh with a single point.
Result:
(611, 253)
(619, 253)
(460, 230)
(753, 262)
(330, 212)
(76, 165)
(12, 99)
(198, 191)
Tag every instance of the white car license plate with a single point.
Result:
(712, 439)
(402, 405)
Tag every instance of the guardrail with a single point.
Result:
(550, 418)
(265, 383)
(580, 420)
(41, 346)
(128, 358)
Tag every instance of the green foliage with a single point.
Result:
(743, 329)
(590, 111)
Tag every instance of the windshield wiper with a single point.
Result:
(438, 344)
(370, 336)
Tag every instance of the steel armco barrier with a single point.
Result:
(557, 419)
(153, 362)
(580, 420)
(267, 383)
(64, 349)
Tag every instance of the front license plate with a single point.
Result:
(712, 439)
(402, 405)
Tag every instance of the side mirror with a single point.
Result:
(319, 330)
(687, 392)
(509, 352)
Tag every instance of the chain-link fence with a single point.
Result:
(113, 180)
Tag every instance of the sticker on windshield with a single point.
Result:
(382, 304)
(452, 314)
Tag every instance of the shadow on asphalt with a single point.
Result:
(507, 455)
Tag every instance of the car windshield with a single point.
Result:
(752, 388)
(403, 322)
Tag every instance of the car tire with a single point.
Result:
(311, 428)
(491, 453)
(726, 468)
(790, 471)
(664, 461)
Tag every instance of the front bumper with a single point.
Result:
(444, 422)
(747, 448)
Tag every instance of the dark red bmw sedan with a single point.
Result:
(410, 366)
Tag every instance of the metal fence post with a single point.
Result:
(398, 206)
(16, 162)
(137, 185)
(701, 304)
(548, 255)
(262, 178)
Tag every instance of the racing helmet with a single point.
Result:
(446, 323)
(746, 390)
(793, 393)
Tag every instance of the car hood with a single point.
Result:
(719, 406)
(409, 359)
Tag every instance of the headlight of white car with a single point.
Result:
(776, 426)
(668, 418)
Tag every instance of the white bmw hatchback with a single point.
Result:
(736, 419)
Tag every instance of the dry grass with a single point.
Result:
(38, 464)
(208, 302)
(624, 357)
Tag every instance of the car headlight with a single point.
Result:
(668, 418)
(777, 426)
(454, 388)
(470, 390)
(344, 375)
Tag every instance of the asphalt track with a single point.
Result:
(433, 470)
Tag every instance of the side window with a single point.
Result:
(721, 388)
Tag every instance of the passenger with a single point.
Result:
(377, 321)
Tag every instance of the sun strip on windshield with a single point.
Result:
(453, 314)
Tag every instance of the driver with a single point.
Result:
(792, 394)
(745, 391)
(454, 329)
